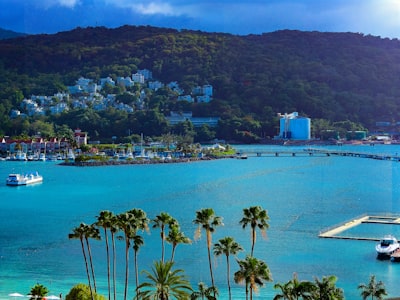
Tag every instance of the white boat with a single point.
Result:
(24, 179)
(20, 156)
(387, 245)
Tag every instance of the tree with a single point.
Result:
(252, 273)
(38, 291)
(176, 237)
(165, 283)
(161, 221)
(204, 292)
(373, 289)
(227, 246)
(81, 292)
(207, 220)
(130, 223)
(90, 231)
(78, 233)
(104, 220)
(296, 289)
(255, 216)
(137, 243)
(326, 289)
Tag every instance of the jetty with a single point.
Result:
(333, 232)
(311, 152)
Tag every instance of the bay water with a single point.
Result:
(303, 196)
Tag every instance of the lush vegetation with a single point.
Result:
(340, 80)
(165, 281)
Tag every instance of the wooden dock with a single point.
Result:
(333, 232)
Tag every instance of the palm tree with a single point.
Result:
(104, 221)
(38, 291)
(78, 233)
(114, 229)
(255, 216)
(176, 237)
(227, 246)
(295, 289)
(253, 273)
(164, 283)
(373, 289)
(161, 221)
(327, 290)
(207, 220)
(204, 292)
(137, 243)
(91, 232)
(125, 222)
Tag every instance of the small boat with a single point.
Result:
(387, 246)
(241, 156)
(24, 179)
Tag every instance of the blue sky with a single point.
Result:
(375, 17)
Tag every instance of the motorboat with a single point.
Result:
(23, 179)
(387, 245)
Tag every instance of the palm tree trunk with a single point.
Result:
(137, 276)
(87, 268)
(114, 266)
(209, 260)
(173, 252)
(162, 243)
(126, 266)
(108, 265)
(91, 264)
(253, 240)
(227, 276)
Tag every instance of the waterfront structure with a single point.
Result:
(294, 127)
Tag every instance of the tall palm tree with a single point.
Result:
(326, 289)
(165, 283)
(137, 243)
(91, 232)
(160, 221)
(252, 273)
(78, 233)
(114, 229)
(104, 220)
(204, 292)
(176, 237)
(227, 246)
(255, 216)
(373, 289)
(207, 220)
(125, 223)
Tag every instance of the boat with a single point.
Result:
(387, 246)
(23, 179)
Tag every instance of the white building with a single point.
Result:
(138, 78)
(147, 74)
(293, 127)
(155, 85)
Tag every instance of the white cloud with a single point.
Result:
(146, 7)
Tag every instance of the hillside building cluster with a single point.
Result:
(86, 92)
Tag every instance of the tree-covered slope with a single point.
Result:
(332, 76)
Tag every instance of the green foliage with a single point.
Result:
(82, 292)
(38, 291)
(329, 76)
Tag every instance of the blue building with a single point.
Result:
(293, 127)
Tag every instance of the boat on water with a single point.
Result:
(387, 246)
(24, 179)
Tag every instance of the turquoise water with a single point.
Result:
(303, 195)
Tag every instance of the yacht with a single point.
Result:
(23, 179)
(387, 245)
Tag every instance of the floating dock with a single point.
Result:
(333, 232)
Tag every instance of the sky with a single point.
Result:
(242, 17)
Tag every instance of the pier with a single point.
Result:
(312, 152)
(333, 232)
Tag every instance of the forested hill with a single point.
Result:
(9, 34)
(332, 76)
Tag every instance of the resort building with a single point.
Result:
(294, 127)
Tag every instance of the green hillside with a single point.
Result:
(336, 77)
